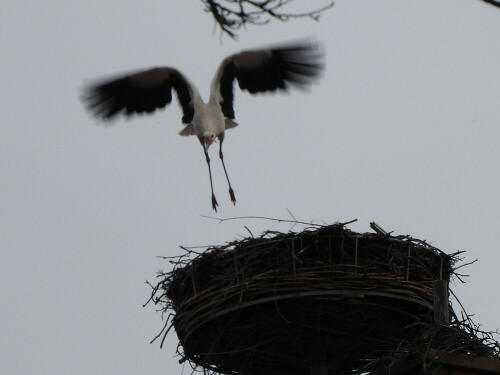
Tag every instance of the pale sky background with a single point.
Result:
(403, 129)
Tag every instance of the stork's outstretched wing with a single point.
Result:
(267, 70)
(139, 92)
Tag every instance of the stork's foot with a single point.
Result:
(214, 203)
(231, 194)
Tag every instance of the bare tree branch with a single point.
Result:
(495, 3)
(232, 15)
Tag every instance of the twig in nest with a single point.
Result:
(221, 220)
(378, 229)
(466, 264)
(249, 231)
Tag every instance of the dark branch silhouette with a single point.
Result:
(495, 3)
(232, 15)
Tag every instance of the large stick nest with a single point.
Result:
(278, 303)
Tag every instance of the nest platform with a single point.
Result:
(286, 303)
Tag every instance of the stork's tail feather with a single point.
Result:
(188, 130)
(229, 124)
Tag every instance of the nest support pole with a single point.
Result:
(441, 303)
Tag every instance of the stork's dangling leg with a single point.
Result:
(207, 158)
(231, 192)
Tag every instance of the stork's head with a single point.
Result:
(208, 138)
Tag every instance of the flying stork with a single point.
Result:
(267, 69)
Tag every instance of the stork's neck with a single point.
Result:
(215, 87)
(212, 102)
(198, 100)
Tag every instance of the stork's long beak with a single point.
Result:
(208, 141)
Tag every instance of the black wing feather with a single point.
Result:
(269, 70)
(226, 89)
(142, 92)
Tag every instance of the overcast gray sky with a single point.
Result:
(403, 129)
